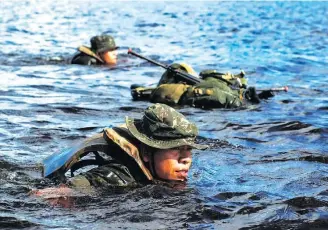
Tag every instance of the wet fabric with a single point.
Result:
(109, 175)
(210, 93)
(86, 57)
(233, 80)
(169, 94)
(213, 93)
(116, 160)
(217, 90)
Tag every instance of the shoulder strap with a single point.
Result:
(128, 147)
(89, 52)
(58, 164)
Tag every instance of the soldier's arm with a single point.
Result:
(111, 175)
(54, 192)
(61, 195)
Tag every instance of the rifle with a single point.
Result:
(285, 89)
(140, 92)
(178, 74)
(143, 93)
(267, 93)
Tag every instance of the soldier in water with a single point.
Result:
(154, 149)
(103, 51)
(214, 90)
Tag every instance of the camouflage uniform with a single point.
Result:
(216, 90)
(117, 151)
(89, 56)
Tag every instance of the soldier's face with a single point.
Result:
(109, 57)
(173, 164)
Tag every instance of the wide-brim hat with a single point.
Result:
(162, 127)
(103, 43)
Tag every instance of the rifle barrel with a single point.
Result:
(147, 59)
(285, 88)
(185, 77)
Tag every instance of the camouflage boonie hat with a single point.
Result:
(162, 127)
(103, 43)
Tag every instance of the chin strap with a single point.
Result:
(152, 163)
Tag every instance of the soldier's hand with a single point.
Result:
(59, 196)
(53, 192)
(250, 95)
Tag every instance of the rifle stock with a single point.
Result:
(180, 75)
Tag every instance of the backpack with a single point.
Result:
(213, 93)
(233, 80)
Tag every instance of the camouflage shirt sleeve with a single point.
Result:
(112, 175)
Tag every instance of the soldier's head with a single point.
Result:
(167, 138)
(168, 77)
(105, 47)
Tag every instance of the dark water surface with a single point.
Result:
(267, 166)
